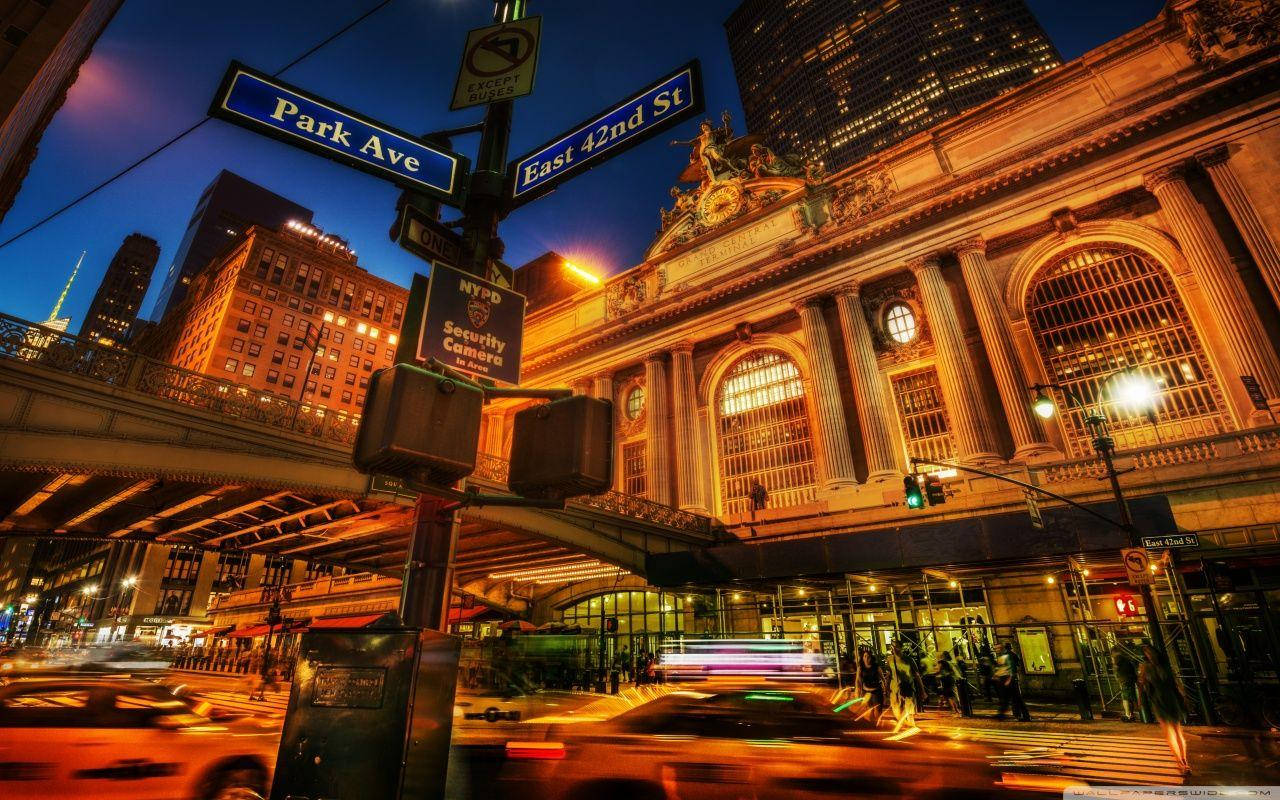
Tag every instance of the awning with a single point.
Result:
(223, 631)
(252, 631)
(347, 621)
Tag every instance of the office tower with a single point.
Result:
(42, 45)
(835, 81)
(225, 210)
(118, 300)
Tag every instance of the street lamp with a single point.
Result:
(129, 582)
(1136, 391)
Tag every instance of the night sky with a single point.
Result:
(156, 68)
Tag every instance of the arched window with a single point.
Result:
(1101, 309)
(763, 432)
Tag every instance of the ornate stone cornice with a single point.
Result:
(1214, 156)
(974, 244)
(1161, 176)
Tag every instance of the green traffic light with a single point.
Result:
(911, 488)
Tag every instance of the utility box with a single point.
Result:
(562, 448)
(417, 424)
(370, 714)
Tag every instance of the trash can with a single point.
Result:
(1081, 691)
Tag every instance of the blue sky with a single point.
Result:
(156, 68)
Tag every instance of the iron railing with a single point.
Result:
(1211, 448)
(53, 349)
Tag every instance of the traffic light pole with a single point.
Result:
(426, 590)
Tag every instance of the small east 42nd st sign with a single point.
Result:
(269, 106)
(648, 112)
(472, 325)
(498, 63)
(1172, 540)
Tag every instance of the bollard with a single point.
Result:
(1081, 690)
(614, 678)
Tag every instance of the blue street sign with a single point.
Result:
(269, 106)
(650, 111)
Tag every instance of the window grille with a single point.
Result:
(923, 415)
(763, 433)
(1100, 310)
(634, 480)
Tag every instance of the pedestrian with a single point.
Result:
(624, 663)
(1160, 693)
(903, 687)
(986, 670)
(869, 682)
(1006, 680)
(759, 496)
(1127, 677)
(947, 675)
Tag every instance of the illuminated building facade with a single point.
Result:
(835, 81)
(288, 312)
(225, 210)
(1110, 227)
(118, 300)
(42, 45)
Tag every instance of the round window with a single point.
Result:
(635, 402)
(900, 322)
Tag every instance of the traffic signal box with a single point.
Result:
(562, 448)
(419, 425)
(911, 489)
(1125, 605)
(934, 492)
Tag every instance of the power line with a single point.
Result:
(158, 150)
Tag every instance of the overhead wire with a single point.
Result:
(186, 132)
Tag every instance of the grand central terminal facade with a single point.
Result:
(1106, 233)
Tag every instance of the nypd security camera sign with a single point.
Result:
(472, 325)
(266, 105)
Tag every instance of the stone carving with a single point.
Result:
(626, 295)
(1214, 27)
(862, 195)
(735, 175)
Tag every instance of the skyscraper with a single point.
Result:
(225, 210)
(119, 297)
(837, 80)
(42, 45)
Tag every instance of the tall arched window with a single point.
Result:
(763, 432)
(1103, 308)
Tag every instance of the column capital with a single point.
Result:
(918, 265)
(853, 290)
(655, 355)
(603, 375)
(1162, 176)
(974, 244)
(1214, 156)
(682, 347)
(814, 299)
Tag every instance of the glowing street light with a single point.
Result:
(581, 274)
(130, 581)
(1044, 406)
(90, 589)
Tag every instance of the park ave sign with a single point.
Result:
(269, 106)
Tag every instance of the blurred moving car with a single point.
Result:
(758, 742)
(125, 739)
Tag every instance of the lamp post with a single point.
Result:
(1105, 446)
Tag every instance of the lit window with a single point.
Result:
(373, 333)
(635, 402)
(392, 339)
(328, 316)
(900, 323)
(361, 327)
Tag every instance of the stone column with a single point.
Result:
(657, 437)
(581, 386)
(1265, 251)
(689, 457)
(881, 434)
(835, 455)
(955, 370)
(602, 386)
(1029, 440)
(1245, 336)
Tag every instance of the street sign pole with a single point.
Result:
(426, 590)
